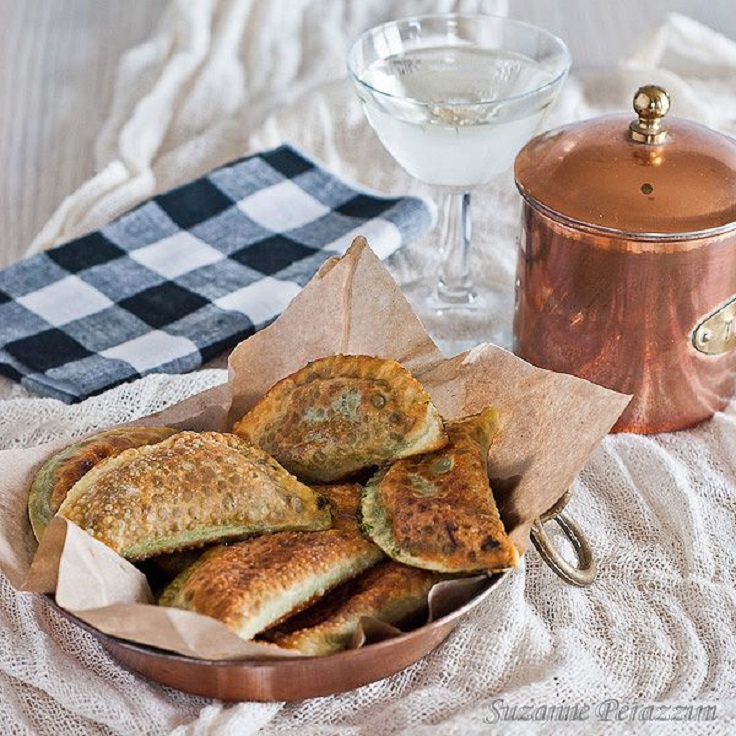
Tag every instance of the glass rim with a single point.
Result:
(373, 30)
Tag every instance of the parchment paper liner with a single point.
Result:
(550, 423)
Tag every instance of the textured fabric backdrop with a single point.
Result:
(219, 79)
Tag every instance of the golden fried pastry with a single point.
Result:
(437, 511)
(254, 584)
(343, 413)
(344, 501)
(63, 469)
(390, 592)
(189, 490)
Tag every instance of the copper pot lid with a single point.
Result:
(651, 177)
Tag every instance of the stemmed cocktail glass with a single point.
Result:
(453, 98)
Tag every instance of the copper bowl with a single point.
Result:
(286, 679)
(311, 677)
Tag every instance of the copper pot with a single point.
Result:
(627, 262)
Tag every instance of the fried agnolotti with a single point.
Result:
(437, 511)
(390, 592)
(343, 413)
(190, 490)
(254, 584)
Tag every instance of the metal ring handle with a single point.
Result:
(582, 575)
(557, 507)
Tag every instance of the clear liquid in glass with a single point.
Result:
(455, 116)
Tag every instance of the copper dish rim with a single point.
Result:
(284, 679)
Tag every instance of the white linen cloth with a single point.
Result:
(219, 79)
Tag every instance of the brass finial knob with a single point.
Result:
(651, 104)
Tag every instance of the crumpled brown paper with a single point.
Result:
(550, 423)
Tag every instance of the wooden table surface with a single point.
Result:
(58, 60)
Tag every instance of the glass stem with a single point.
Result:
(455, 285)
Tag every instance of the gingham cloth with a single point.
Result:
(187, 274)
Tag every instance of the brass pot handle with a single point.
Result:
(585, 572)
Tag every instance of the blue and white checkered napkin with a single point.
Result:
(186, 275)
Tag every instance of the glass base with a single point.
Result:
(455, 326)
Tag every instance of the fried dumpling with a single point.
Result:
(63, 469)
(189, 490)
(343, 413)
(390, 592)
(344, 499)
(437, 511)
(254, 584)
